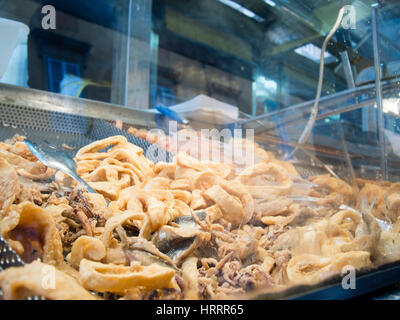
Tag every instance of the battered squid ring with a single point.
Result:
(197, 201)
(157, 183)
(9, 185)
(356, 259)
(346, 219)
(256, 177)
(91, 151)
(111, 173)
(165, 169)
(152, 212)
(206, 180)
(158, 214)
(334, 187)
(185, 161)
(22, 282)
(111, 190)
(121, 152)
(137, 159)
(34, 170)
(109, 180)
(86, 166)
(114, 278)
(115, 221)
(86, 248)
(235, 202)
(40, 224)
(375, 192)
(307, 268)
(182, 195)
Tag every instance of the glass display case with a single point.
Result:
(158, 74)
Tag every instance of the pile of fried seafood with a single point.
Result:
(186, 229)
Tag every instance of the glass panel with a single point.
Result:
(82, 44)
(258, 55)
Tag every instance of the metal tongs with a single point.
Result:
(59, 160)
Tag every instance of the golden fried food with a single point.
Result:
(113, 278)
(9, 185)
(32, 232)
(333, 190)
(40, 279)
(188, 229)
(86, 248)
(374, 193)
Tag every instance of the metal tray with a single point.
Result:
(59, 128)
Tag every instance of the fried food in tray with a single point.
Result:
(188, 229)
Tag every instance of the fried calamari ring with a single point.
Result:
(32, 232)
(99, 204)
(86, 166)
(393, 202)
(117, 220)
(165, 169)
(182, 195)
(388, 247)
(183, 160)
(9, 185)
(274, 207)
(113, 278)
(108, 172)
(30, 280)
(301, 240)
(110, 180)
(144, 167)
(86, 248)
(110, 190)
(111, 173)
(264, 179)
(34, 170)
(153, 213)
(21, 149)
(355, 259)
(373, 192)
(234, 201)
(198, 201)
(157, 183)
(308, 268)
(332, 190)
(93, 150)
(281, 221)
(346, 219)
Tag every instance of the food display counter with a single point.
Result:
(116, 200)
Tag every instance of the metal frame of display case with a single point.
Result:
(265, 128)
(13, 95)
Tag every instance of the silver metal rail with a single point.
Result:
(42, 100)
(337, 103)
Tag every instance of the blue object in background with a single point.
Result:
(59, 72)
(170, 114)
